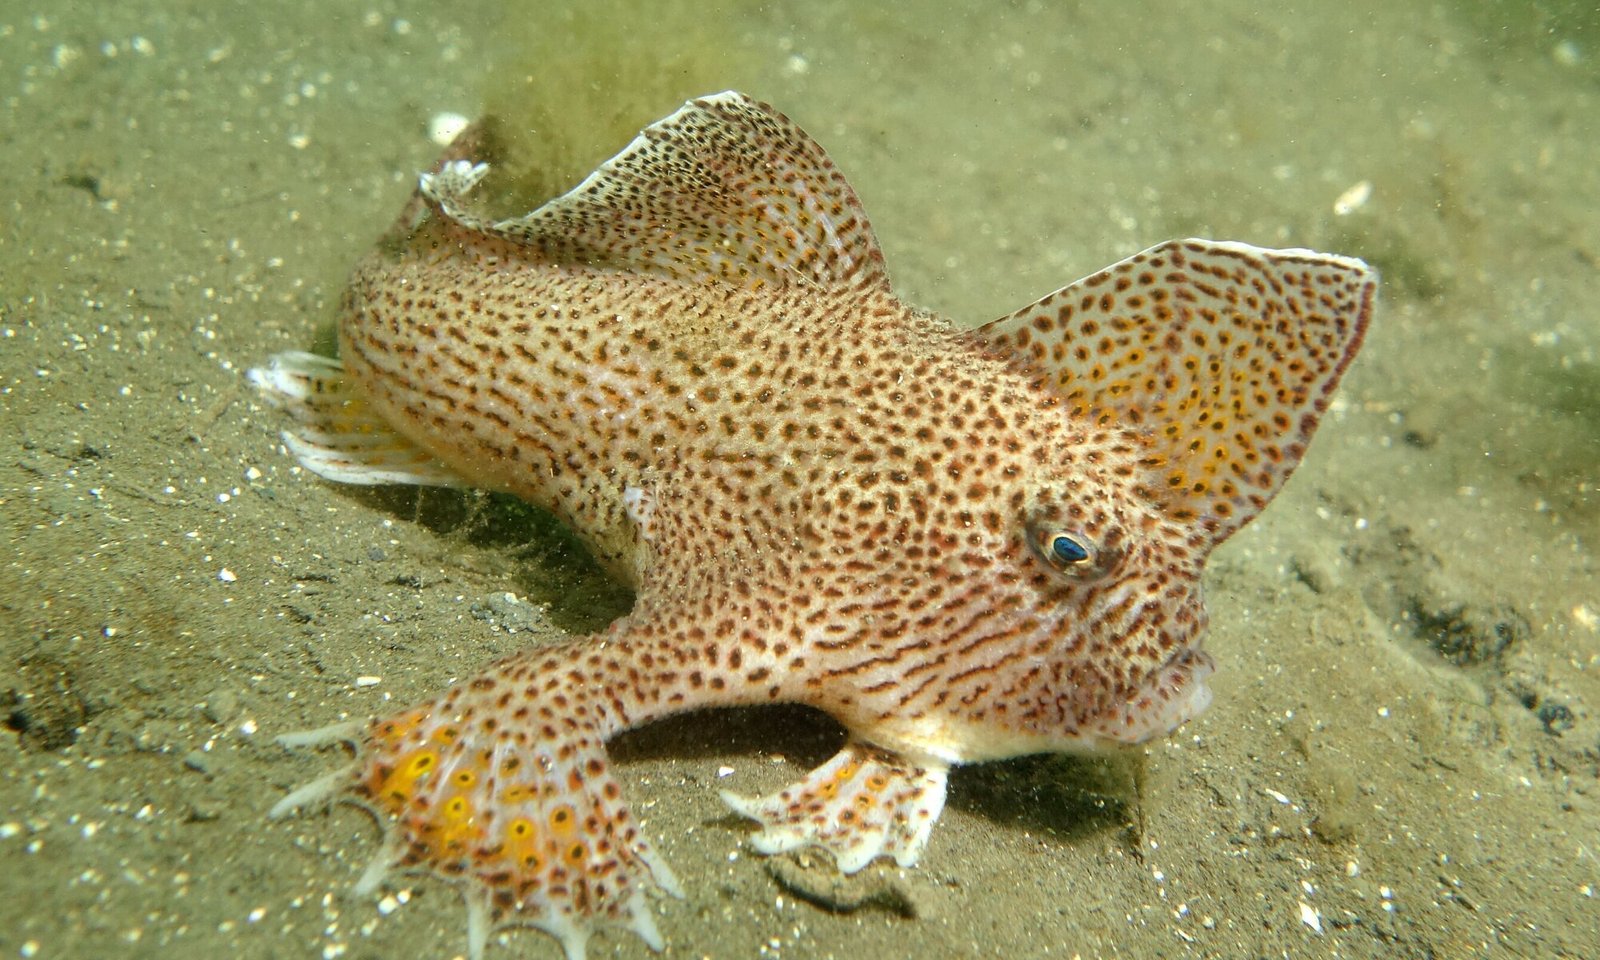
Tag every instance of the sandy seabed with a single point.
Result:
(1402, 757)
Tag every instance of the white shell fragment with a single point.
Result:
(445, 126)
(1353, 199)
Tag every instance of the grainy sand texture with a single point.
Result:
(1403, 753)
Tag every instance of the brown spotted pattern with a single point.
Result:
(1230, 351)
(962, 544)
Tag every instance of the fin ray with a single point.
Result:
(862, 804)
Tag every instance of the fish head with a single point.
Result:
(1184, 385)
(1116, 596)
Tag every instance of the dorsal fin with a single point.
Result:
(726, 188)
(1224, 354)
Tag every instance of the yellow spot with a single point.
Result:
(401, 783)
(522, 844)
(458, 808)
(457, 826)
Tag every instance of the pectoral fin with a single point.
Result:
(1223, 354)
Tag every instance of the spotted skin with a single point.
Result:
(964, 544)
(1230, 351)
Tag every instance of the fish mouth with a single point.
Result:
(1189, 668)
(1170, 696)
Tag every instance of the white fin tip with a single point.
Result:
(315, 792)
(453, 181)
(347, 731)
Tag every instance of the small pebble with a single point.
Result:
(445, 127)
(1310, 917)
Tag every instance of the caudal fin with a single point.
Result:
(338, 436)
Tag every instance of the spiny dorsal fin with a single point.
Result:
(1224, 354)
(726, 188)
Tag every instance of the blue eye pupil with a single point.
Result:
(1068, 550)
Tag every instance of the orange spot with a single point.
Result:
(398, 728)
(576, 854)
(562, 819)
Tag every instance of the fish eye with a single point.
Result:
(1067, 551)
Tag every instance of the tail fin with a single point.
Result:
(338, 435)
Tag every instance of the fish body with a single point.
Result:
(963, 544)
